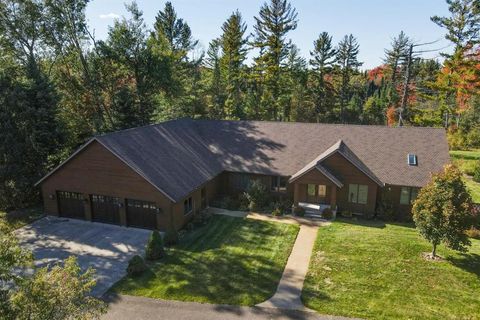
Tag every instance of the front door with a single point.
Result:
(317, 193)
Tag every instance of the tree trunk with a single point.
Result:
(434, 251)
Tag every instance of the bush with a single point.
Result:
(277, 212)
(346, 214)
(299, 211)
(476, 171)
(327, 213)
(154, 249)
(136, 266)
(202, 218)
(473, 233)
(171, 237)
(190, 227)
(257, 195)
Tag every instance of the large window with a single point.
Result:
(187, 206)
(358, 193)
(279, 184)
(408, 195)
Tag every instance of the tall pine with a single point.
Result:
(272, 25)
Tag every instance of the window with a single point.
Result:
(141, 204)
(412, 159)
(240, 181)
(358, 193)
(311, 190)
(187, 206)
(362, 194)
(279, 184)
(322, 191)
(408, 195)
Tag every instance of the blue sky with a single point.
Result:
(373, 22)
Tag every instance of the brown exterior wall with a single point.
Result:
(392, 195)
(95, 170)
(230, 181)
(349, 174)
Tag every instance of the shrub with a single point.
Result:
(476, 171)
(136, 266)
(190, 227)
(171, 237)
(256, 195)
(327, 213)
(473, 233)
(444, 211)
(346, 214)
(299, 211)
(277, 212)
(154, 249)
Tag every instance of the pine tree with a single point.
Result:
(323, 58)
(215, 85)
(464, 24)
(397, 55)
(347, 60)
(233, 43)
(275, 20)
(172, 41)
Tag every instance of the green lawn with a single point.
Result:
(376, 271)
(465, 160)
(18, 218)
(229, 261)
(474, 188)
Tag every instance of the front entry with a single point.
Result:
(105, 209)
(317, 193)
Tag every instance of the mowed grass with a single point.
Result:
(229, 261)
(375, 271)
(474, 188)
(465, 160)
(18, 218)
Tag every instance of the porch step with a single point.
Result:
(313, 215)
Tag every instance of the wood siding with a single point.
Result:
(347, 173)
(95, 170)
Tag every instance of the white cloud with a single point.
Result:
(110, 15)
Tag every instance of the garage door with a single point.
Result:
(70, 205)
(141, 214)
(105, 209)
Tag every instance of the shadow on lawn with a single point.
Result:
(469, 262)
(375, 223)
(228, 261)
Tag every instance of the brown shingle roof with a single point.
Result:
(341, 148)
(179, 156)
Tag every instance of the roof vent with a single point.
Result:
(412, 159)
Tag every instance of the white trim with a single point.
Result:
(64, 161)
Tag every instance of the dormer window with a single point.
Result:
(412, 159)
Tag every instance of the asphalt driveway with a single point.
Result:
(107, 248)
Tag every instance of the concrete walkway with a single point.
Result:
(289, 289)
(140, 308)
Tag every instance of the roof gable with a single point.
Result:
(179, 156)
(341, 148)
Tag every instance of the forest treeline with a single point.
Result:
(59, 85)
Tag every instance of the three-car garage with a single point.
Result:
(108, 209)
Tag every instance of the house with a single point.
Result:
(159, 176)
